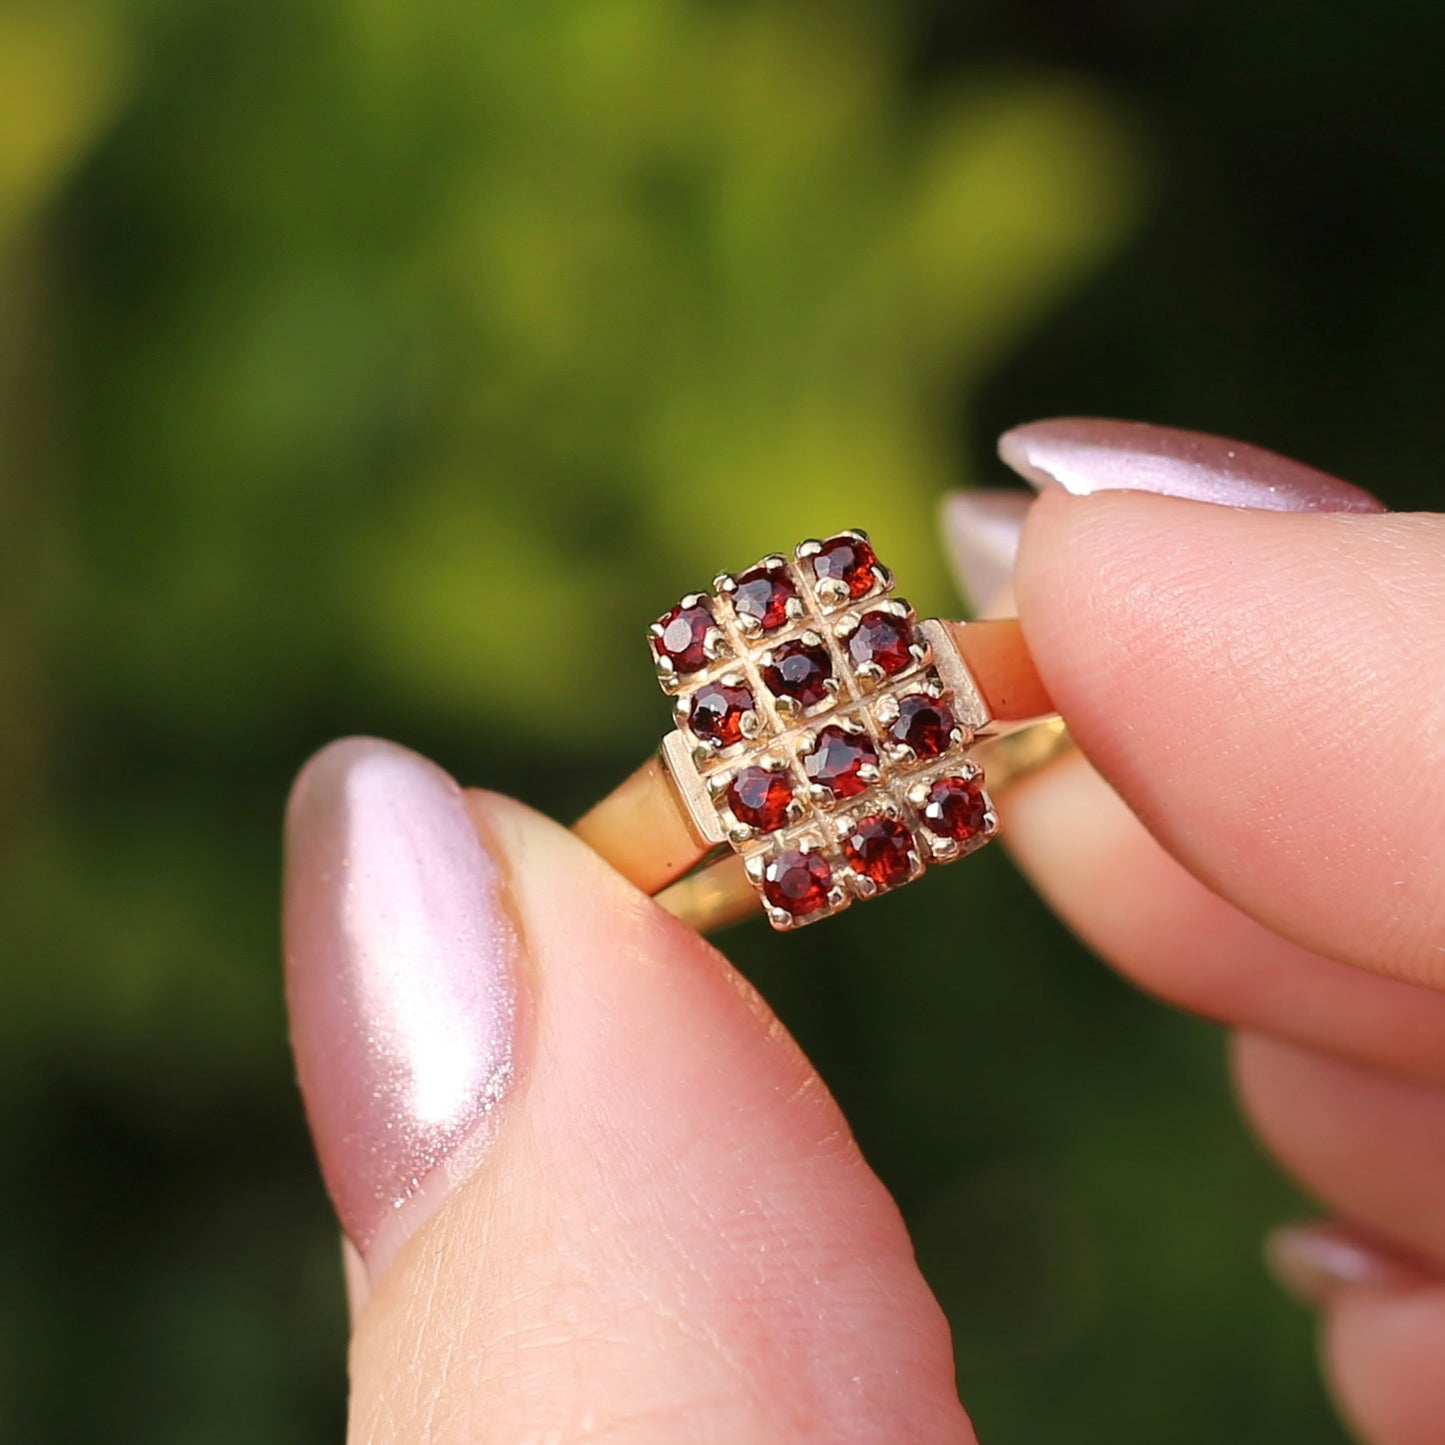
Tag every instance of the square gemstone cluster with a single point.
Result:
(825, 738)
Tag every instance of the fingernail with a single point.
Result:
(1084, 455)
(982, 529)
(400, 981)
(1314, 1261)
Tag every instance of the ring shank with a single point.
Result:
(640, 829)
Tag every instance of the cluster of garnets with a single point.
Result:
(712, 653)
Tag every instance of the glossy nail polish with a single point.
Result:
(401, 954)
(1315, 1261)
(1084, 455)
(982, 528)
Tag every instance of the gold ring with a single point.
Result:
(829, 745)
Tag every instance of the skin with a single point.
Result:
(690, 1248)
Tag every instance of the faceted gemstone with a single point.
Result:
(955, 809)
(763, 594)
(760, 798)
(848, 560)
(879, 847)
(884, 639)
(800, 671)
(684, 631)
(924, 724)
(717, 712)
(837, 759)
(797, 882)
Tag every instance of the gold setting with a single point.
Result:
(779, 735)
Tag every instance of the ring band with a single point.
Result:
(830, 746)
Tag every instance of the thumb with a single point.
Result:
(593, 1186)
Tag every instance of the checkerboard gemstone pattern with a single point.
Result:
(825, 737)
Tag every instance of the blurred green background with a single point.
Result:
(352, 352)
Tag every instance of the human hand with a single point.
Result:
(1262, 690)
(591, 1187)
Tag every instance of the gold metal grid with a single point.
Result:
(778, 734)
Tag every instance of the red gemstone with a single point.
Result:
(800, 671)
(684, 633)
(797, 882)
(760, 798)
(848, 560)
(924, 724)
(763, 595)
(955, 809)
(837, 759)
(883, 639)
(880, 848)
(717, 712)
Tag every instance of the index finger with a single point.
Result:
(1171, 730)
(1265, 692)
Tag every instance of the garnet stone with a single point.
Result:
(848, 560)
(717, 712)
(797, 882)
(760, 798)
(955, 809)
(684, 635)
(801, 671)
(880, 848)
(763, 595)
(884, 639)
(924, 724)
(837, 759)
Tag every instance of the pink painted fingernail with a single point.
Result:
(401, 955)
(1084, 455)
(982, 529)
(1315, 1261)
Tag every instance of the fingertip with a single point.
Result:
(981, 530)
(1259, 687)
(1382, 1352)
(674, 1215)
